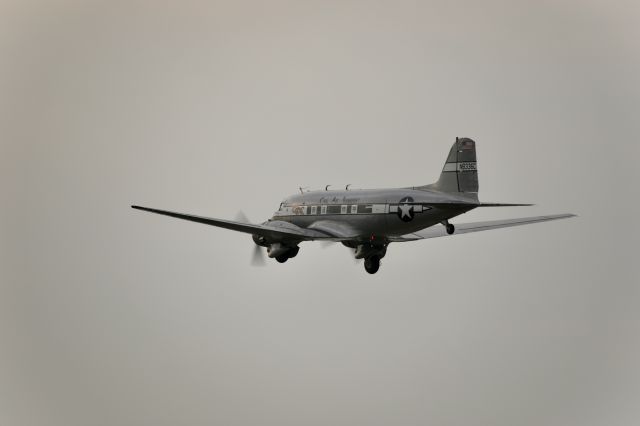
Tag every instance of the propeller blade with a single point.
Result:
(257, 258)
(327, 244)
(257, 255)
(353, 256)
(241, 217)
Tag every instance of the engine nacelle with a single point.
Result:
(367, 250)
(278, 249)
(260, 240)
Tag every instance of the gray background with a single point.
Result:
(110, 316)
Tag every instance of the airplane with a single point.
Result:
(368, 220)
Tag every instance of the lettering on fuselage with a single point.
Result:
(345, 200)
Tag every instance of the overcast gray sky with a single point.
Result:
(110, 316)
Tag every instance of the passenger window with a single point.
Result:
(354, 209)
(343, 209)
(314, 209)
(323, 209)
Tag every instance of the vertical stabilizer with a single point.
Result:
(460, 172)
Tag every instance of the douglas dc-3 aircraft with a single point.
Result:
(368, 220)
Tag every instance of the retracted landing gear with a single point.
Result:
(372, 264)
(449, 227)
(371, 253)
(281, 252)
(288, 255)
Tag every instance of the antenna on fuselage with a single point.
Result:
(346, 188)
(302, 189)
(326, 188)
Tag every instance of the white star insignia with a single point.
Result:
(405, 209)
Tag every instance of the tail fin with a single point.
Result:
(460, 173)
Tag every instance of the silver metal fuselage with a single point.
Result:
(368, 220)
(373, 212)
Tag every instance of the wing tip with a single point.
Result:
(145, 209)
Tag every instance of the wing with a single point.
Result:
(272, 230)
(503, 205)
(464, 228)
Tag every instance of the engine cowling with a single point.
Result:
(367, 250)
(260, 240)
(279, 249)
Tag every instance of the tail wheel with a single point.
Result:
(282, 259)
(372, 264)
(450, 229)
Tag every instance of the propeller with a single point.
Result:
(327, 244)
(257, 255)
(241, 217)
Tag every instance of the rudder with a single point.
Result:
(460, 172)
